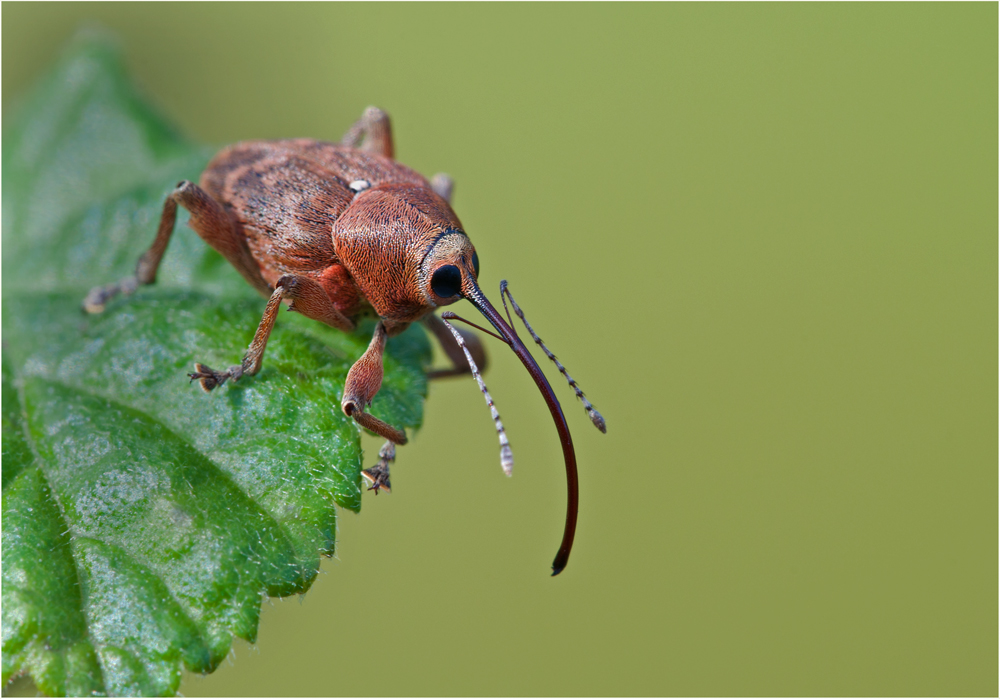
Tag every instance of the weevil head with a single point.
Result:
(405, 249)
(408, 254)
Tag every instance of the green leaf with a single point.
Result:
(143, 520)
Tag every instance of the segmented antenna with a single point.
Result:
(595, 416)
(506, 455)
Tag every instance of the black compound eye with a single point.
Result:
(446, 281)
(475, 263)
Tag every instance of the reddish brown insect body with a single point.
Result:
(338, 231)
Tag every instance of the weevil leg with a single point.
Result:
(378, 475)
(209, 378)
(443, 186)
(363, 382)
(459, 365)
(372, 132)
(307, 297)
(209, 220)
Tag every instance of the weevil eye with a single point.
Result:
(446, 281)
(475, 263)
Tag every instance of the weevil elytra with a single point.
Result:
(340, 230)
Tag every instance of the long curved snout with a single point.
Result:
(472, 292)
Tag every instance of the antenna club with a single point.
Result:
(598, 420)
(507, 460)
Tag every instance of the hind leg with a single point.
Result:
(209, 220)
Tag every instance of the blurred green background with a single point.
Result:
(764, 240)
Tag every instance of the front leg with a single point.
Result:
(378, 475)
(363, 382)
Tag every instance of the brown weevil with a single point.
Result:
(340, 230)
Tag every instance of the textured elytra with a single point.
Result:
(143, 520)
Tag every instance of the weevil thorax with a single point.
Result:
(405, 249)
